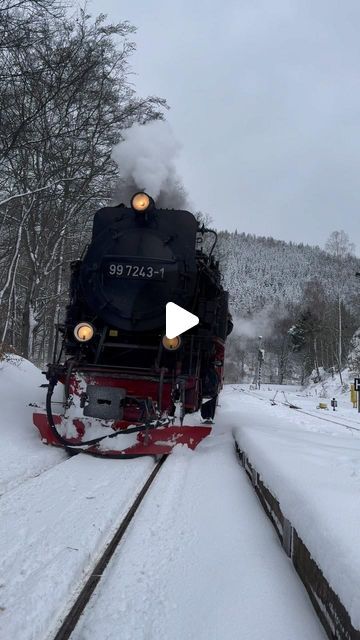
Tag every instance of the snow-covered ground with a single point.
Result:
(312, 466)
(53, 529)
(309, 399)
(21, 457)
(200, 560)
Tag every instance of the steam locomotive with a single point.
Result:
(125, 385)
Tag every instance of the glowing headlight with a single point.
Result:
(141, 201)
(83, 332)
(171, 344)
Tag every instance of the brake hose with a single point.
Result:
(77, 448)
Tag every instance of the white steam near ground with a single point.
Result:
(146, 160)
(261, 323)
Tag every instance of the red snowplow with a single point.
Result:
(109, 414)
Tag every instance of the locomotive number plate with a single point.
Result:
(134, 271)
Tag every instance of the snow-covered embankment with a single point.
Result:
(312, 468)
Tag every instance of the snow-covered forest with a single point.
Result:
(66, 96)
(303, 301)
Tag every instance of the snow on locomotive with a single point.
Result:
(126, 385)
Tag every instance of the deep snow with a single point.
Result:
(313, 468)
(21, 456)
(53, 528)
(200, 560)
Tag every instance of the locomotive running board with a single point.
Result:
(152, 442)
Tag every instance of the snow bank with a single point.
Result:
(330, 385)
(313, 469)
(22, 453)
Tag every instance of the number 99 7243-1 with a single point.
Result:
(135, 271)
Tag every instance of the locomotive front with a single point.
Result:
(121, 374)
(138, 260)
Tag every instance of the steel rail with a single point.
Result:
(300, 410)
(71, 619)
(313, 415)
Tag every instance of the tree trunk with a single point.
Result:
(55, 318)
(28, 325)
(340, 334)
(316, 362)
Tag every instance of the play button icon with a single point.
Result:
(178, 320)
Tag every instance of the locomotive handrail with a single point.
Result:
(205, 230)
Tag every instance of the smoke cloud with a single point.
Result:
(261, 323)
(146, 159)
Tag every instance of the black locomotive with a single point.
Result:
(120, 371)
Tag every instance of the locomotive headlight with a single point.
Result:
(83, 332)
(171, 344)
(141, 201)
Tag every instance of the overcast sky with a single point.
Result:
(265, 101)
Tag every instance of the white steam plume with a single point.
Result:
(261, 323)
(146, 160)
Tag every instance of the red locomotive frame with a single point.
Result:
(157, 435)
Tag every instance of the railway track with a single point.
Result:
(314, 415)
(71, 618)
(300, 410)
(136, 582)
(12, 484)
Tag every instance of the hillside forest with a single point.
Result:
(303, 301)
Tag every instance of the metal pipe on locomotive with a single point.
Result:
(126, 386)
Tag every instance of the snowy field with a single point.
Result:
(200, 560)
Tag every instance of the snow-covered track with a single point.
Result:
(54, 529)
(198, 533)
(13, 484)
(341, 424)
(300, 410)
(71, 619)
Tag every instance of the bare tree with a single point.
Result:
(340, 247)
(68, 98)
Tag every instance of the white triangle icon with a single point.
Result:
(178, 320)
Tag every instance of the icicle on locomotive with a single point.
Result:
(125, 383)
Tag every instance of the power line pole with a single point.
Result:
(261, 355)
